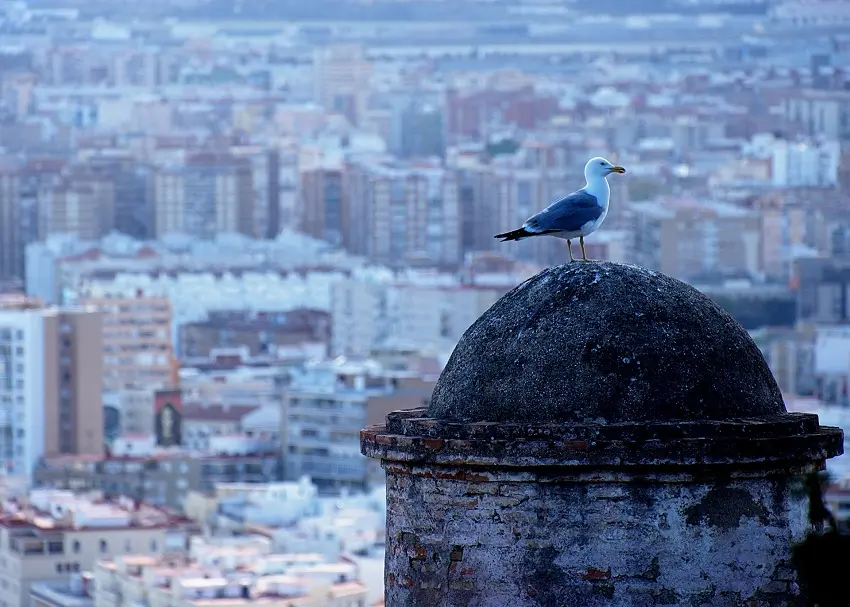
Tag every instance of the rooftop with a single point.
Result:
(250, 578)
(58, 510)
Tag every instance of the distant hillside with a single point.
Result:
(343, 10)
(353, 10)
(686, 7)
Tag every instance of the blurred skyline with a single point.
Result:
(234, 233)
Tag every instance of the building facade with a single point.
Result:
(137, 348)
(50, 394)
(210, 194)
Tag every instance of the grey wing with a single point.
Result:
(568, 214)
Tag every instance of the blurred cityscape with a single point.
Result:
(233, 233)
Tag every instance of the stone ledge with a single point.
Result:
(415, 422)
(767, 442)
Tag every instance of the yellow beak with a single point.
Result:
(618, 169)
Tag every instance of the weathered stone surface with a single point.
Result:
(604, 342)
(586, 544)
(691, 513)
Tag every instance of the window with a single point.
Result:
(103, 547)
(128, 546)
(153, 545)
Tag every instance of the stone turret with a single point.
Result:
(603, 435)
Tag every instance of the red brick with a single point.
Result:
(575, 445)
(596, 574)
(460, 475)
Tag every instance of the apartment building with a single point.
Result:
(225, 273)
(229, 574)
(325, 406)
(81, 204)
(50, 395)
(820, 112)
(130, 181)
(51, 534)
(493, 197)
(805, 163)
(11, 247)
(324, 209)
(137, 347)
(209, 194)
(367, 314)
(261, 333)
(822, 285)
(341, 77)
(265, 172)
(162, 477)
(694, 240)
(201, 423)
(403, 215)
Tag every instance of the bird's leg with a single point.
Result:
(583, 254)
(570, 249)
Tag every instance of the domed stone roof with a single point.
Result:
(604, 342)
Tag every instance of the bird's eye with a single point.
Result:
(602, 163)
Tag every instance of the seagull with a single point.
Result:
(574, 216)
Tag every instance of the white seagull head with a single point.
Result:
(600, 168)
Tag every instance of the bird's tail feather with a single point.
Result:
(514, 235)
(521, 233)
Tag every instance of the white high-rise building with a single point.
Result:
(372, 313)
(805, 164)
(22, 389)
(50, 394)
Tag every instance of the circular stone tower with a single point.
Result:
(603, 435)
